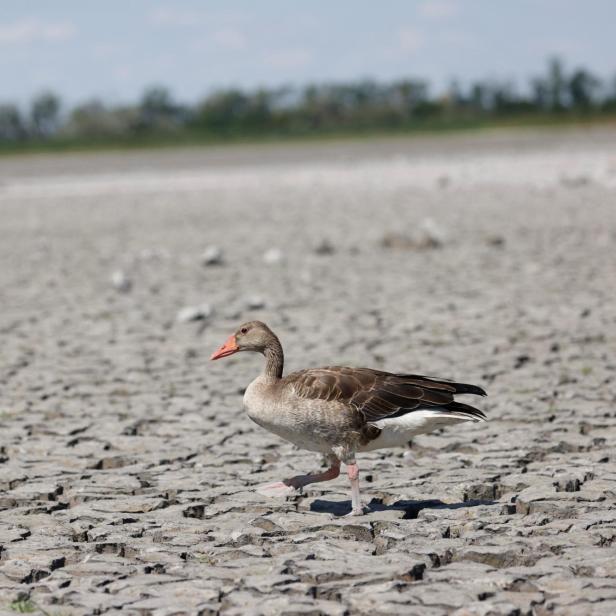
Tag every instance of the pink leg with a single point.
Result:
(291, 485)
(357, 507)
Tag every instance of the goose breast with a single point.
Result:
(313, 424)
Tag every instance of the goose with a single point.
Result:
(339, 411)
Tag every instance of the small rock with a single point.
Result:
(428, 235)
(121, 282)
(521, 360)
(324, 248)
(575, 181)
(153, 254)
(212, 255)
(255, 303)
(273, 256)
(397, 241)
(194, 313)
(497, 241)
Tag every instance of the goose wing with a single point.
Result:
(375, 395)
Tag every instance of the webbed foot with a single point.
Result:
(361, 510)
(277, 490)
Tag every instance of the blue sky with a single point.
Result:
(112, 49)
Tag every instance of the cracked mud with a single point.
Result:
(127, 466)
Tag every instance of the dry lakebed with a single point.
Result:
(128, 467)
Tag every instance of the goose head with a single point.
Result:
(252, 336)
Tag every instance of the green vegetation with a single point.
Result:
(23, 606)
(328, 110)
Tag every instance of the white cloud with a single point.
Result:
(438, 9)
(35, 31)
(177, 17)
(410, 40)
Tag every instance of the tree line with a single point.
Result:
(319, 108)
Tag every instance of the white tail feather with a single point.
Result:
(397, 431)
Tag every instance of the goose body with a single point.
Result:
(340, 411)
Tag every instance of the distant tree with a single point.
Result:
(45, 114)
(362, 94)
(478, 96)
(158, 110)
(411, 94)
(12, 125)
(583, 87)
(310, 107)
(94, 120)
(259, 113)
(504, 97)
(358, 105)
(556, 85)
(455, 96)
(157, 100)
(609, 101)
(223, 111)
(233, 111)
(88, 119)
(541, 95)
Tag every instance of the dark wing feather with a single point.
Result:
(376, 394)
(432, 383)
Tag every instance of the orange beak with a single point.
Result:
(228, 348)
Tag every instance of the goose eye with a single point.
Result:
(244, 330)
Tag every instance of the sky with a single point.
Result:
(113, 49)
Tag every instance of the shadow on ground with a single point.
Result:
(410, 508)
